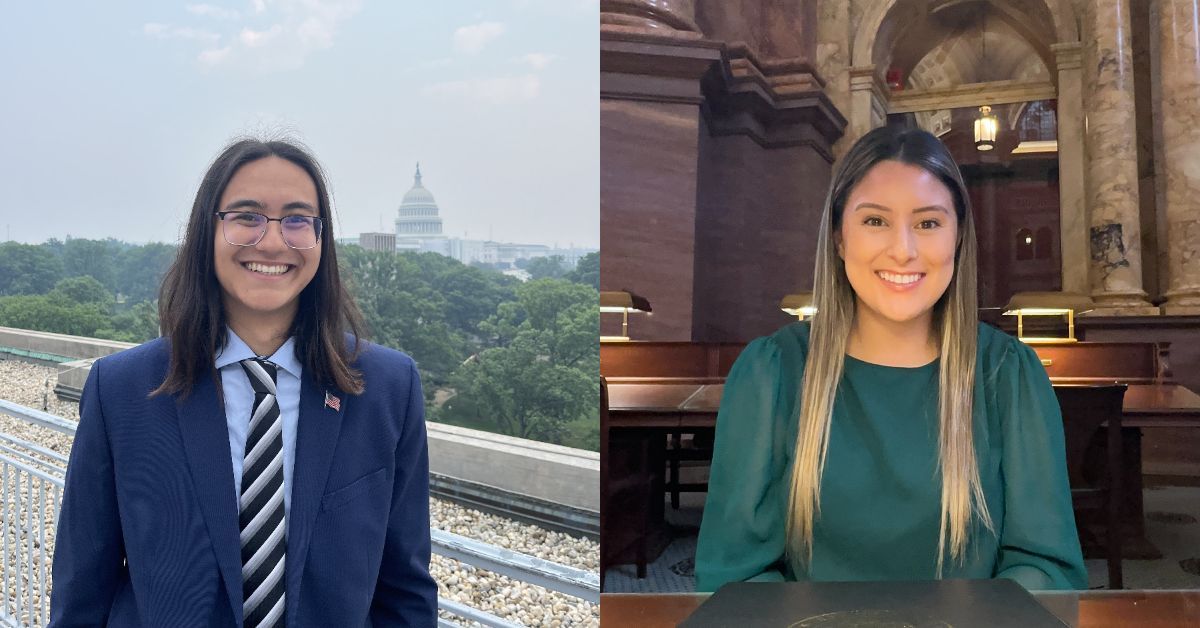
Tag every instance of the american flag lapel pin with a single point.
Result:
(333, 402)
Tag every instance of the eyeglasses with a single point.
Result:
(242, 228)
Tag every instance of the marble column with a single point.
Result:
(1179, 60)
(1112, 179)
(833, 57)
(652, 57)
(1073, 220)
(868, 103)
(650, 16)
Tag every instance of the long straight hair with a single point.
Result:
(190, 312)
(955, 323)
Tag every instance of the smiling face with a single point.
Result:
(261, 284)
(897, 238)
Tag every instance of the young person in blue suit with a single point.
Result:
(258, 465)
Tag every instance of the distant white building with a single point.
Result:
(417, 220)
(419, 229)
(377, 241)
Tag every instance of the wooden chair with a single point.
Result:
(625, 494)
(1092, 423)
(673, 362)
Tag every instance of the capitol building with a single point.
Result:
(417, 220)
(419, 229)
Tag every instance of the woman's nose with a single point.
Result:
(272, 240)
(903, 245)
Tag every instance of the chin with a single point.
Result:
(266, 304)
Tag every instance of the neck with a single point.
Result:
(878, 340)
(263, 333)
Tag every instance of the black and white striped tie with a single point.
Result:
(264, 531)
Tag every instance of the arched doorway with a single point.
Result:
(939, 62)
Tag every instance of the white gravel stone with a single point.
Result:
(33, 386)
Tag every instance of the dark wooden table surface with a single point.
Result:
(1146, 405)
(1079, 609)
(653, 408)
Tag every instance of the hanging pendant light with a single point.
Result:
(986, 126)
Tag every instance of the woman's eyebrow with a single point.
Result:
(927, 208)
(299, 205)
(247, 202)
(244, 202)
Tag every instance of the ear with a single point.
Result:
(837, 243)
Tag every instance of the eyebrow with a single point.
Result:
(927, 208)
(247, 202)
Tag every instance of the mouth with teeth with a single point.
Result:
(272, 270)
(900, 281)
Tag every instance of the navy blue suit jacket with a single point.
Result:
(148, 532)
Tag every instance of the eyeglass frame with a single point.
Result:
(318, 226)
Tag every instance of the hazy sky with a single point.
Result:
(111, 111)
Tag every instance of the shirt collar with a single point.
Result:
(236, 350)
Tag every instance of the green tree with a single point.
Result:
(52, 313)
(93, 258)
(82, 290)
(27, 269)
(540, 383)
(471, 294)
(587, 271)
(141, 269)
(138, 324)
(551, 267)
(403, 311)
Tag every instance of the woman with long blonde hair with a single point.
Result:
(894, 437)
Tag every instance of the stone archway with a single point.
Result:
(1051, 28)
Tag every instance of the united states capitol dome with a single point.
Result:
(418, 195)
(417, 217)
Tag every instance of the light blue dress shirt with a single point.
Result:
(239, 401)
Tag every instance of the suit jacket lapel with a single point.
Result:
(205, 435)
(316, 438)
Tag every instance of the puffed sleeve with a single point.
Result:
(1039, 546)
(742, 535)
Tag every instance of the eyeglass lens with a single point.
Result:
(248, 228)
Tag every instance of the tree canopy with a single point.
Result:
(494, 353)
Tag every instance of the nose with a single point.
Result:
(903, 247)
(272, 240)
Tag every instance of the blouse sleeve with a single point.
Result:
(1039, 545)
(742, 535)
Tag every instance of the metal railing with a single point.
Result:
(31, 485)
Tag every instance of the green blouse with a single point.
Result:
(881, 488)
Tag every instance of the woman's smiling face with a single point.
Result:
(898, 238)
(265, 280)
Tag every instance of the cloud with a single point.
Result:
(473, 38)
(167, 31)
(504, 90)
(281, 35)
(214, 56)
(254, 39)
(537, 60)
(208, 10)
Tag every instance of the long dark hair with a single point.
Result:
(192, 317)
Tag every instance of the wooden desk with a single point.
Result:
(695, 405)
(1080, 609)
(1161, 405)
(656, 409)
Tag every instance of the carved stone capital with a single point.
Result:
(677, 17)
(1068, 56)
